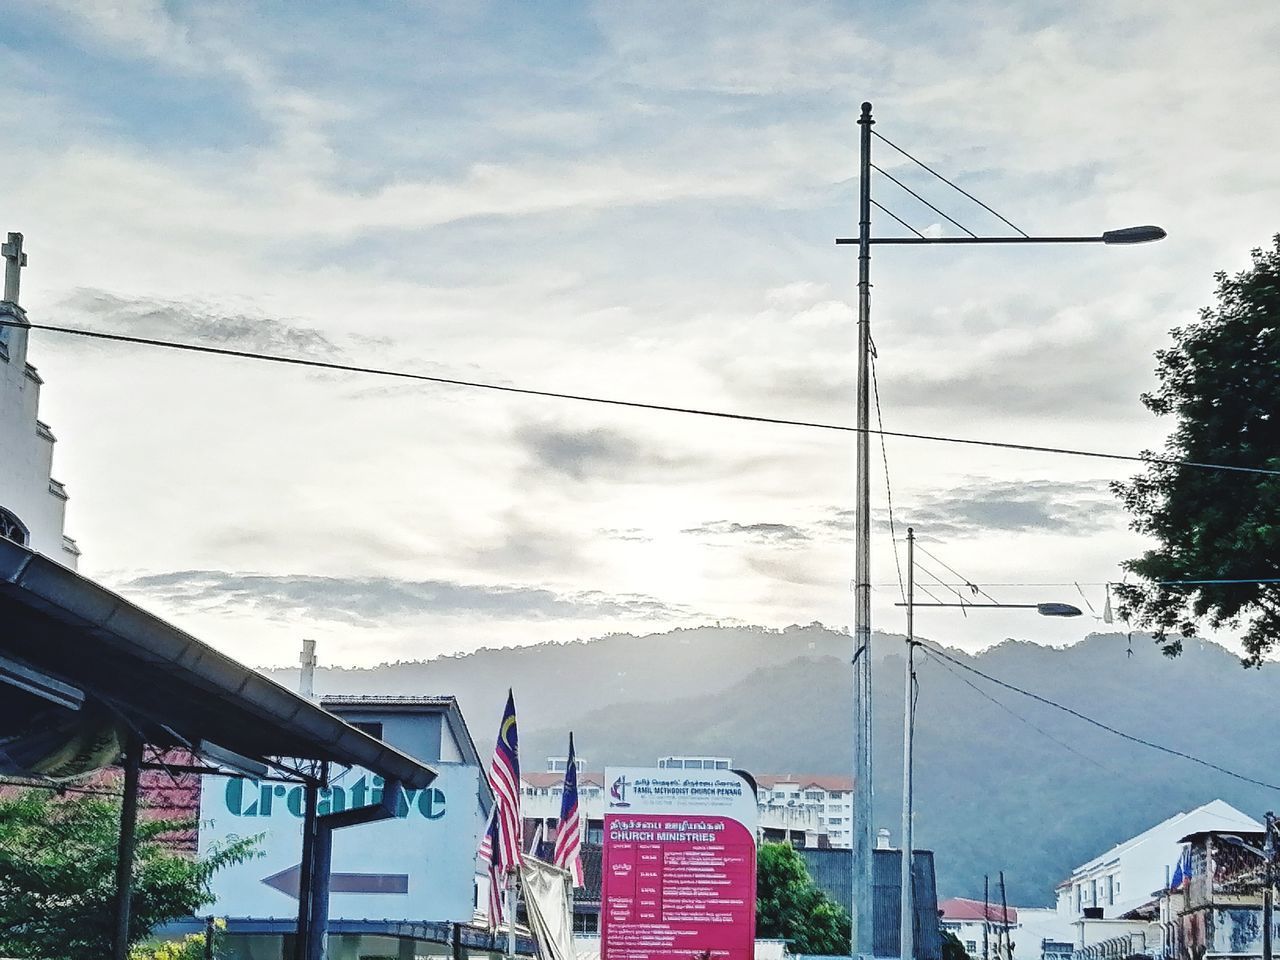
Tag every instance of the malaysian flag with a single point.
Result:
(568, 853)
(501, 850)
(497, 879)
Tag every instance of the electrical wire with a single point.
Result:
(1013, 713)
(1102, 726)
(953, 186)
(924, 201)
(58, 788)
(888, 487)
(633, 404)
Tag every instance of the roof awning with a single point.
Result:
(174, 689)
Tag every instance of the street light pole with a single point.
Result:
(906, 927)
(1268, 881)
(906, 897)
(861, 915)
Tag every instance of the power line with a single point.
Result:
(953, 186)
(888, 487)
(1102, 726)
(631, 404)
(1013, 713)
(57, 787)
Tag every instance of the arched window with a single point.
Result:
(11, 528)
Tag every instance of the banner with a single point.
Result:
(418, 865)
(679, 865)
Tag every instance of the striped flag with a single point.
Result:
(568, 853)
(501, 849)
(497, 879)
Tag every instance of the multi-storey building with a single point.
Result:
(810, 811)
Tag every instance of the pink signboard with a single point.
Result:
(679, 865)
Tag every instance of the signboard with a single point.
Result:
(679, 865)
(419, 865)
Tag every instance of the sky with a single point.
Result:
(626, 200)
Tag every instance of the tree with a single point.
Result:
(1220, 382)
(790, 907)
(57, 876)
(952, 948)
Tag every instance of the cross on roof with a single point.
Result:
(15, 260)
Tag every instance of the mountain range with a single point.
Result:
(1003, 781)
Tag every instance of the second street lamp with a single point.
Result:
(906, 919)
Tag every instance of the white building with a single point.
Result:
(1109, 904)
(979, 926)
(1128, 875)
(827, 800)
(32, 503)
(808, 807)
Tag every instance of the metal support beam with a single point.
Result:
(313, 946)
(125, 846)
(310, 797)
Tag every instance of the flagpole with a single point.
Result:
(511, 914)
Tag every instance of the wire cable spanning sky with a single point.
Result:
(1141, 741)
(618, 402)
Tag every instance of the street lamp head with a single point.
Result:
(1144, 234)
(1057, 610)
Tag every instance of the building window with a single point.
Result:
(370, 727)
(11, 528)
(971, 947)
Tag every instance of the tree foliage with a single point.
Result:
(790, 907)
(1220, 382)
(57, 876)
(952, 948)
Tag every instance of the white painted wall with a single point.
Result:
(27, 489)
(1128, 874)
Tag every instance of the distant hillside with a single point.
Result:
(1003, 782)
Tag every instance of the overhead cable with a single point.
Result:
(888, 487)
(1102, 726)
(1013, 713)
(630, 404)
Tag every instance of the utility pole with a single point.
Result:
(906, 921)
(1268, 882)
(1007, 952)
(862, 915)
(986, 917)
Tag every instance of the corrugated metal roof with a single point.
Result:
(173, 688)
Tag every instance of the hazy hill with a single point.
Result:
(1003, 782)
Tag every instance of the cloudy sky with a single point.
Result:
(630, 200)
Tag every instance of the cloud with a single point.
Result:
(186, 321)
(378, 599)
(758, 532)
(597, 453)
(984, 506)
(626, 534)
